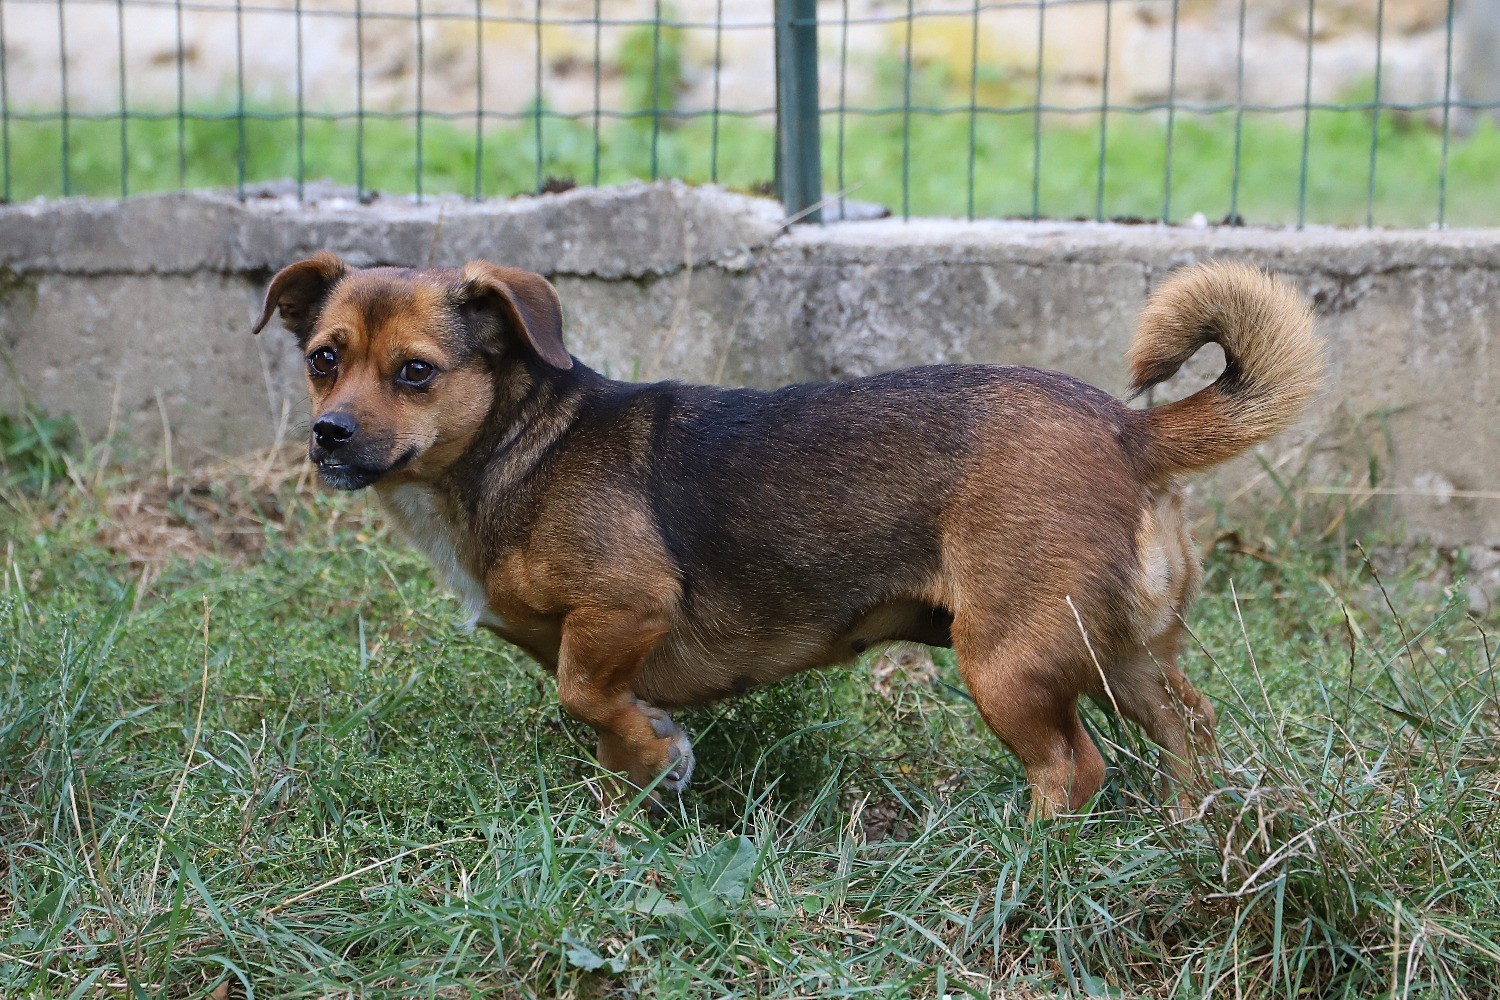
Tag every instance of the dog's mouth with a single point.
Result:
(347, 476)
(343, 474)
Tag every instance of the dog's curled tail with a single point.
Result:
(1274, 364)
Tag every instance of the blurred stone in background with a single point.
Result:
(214, 43)
(1478, 27)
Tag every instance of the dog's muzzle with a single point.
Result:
(351, 466)
(346, 476)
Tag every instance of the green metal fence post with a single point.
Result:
(799, 165)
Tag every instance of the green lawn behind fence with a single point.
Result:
(866, 159)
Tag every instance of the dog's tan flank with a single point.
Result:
(661, 545)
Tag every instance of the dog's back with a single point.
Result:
(811, 522)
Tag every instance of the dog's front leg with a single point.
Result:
(602, 650)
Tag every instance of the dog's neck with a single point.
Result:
(431, 520)
(487, 490)
(534, 409)
(451, 516)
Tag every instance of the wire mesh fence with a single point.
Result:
(1357, 112)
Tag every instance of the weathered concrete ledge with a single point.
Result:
(131, 315)
(639, 231)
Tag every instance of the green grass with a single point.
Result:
(936, 183)
(243, 739)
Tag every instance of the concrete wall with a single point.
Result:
(131, 315)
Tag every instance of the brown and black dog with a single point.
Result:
(662, 545)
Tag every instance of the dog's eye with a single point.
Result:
(323, 361)
(416, 373)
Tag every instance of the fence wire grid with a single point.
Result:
(1349, 112)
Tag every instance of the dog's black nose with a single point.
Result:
(333, 429)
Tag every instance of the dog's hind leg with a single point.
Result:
(601, 651)
(1151, 692)
(1028, 696)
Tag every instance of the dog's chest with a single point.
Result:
(434, 527)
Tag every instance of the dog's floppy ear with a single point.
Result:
(525, 302)
(298, 291)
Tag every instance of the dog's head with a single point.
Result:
(401, 363)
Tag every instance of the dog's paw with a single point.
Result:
(680, 758)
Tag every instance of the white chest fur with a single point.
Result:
(430, 524)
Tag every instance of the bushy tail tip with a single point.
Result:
(1273, 363)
